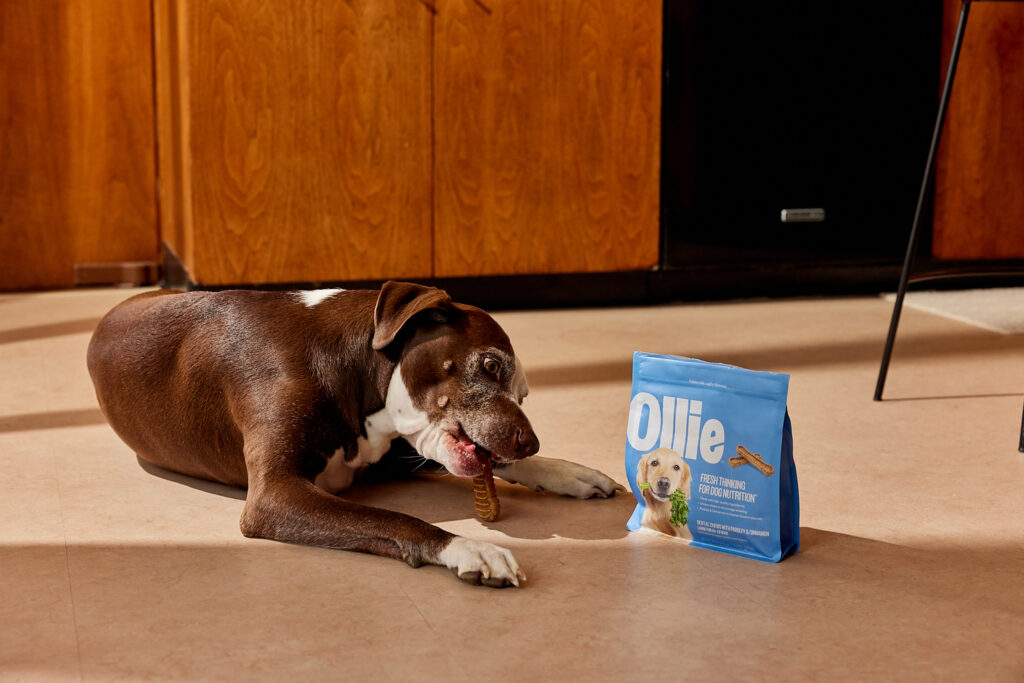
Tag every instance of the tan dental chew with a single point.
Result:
(485, 497)
(755, 460)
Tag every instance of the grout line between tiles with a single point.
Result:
(67, 555)
(433, 631)
(71, 593)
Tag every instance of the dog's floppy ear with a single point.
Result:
(397, 303)
(684, 485)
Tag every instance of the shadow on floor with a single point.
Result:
(951, 397)
(60, 329)
(51, 420)
(525, 514)
(213, 487)
(444, 498)
(974, 342)
(846, 608)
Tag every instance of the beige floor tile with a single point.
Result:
(912, 564)
(251, 610)
(29, 493)
(38, 635)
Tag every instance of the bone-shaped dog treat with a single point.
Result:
(755, 460)
(485, 497)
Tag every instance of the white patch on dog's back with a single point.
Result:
(311, 297)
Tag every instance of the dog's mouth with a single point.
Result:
(468, 457)
(470, 447)
(659, 495)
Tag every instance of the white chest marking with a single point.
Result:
(311, 297)
(399, 416)
(405, 416)
(339, 473)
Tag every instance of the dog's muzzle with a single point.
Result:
(526, 443)
(662, 488)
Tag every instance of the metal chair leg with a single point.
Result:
(929, 171)
(1021, 446)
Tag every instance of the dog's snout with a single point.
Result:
(663, 484)
(527, 442)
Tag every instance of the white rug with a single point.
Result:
(1000, 309)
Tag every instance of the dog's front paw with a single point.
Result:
(478, 562)
(560, 476)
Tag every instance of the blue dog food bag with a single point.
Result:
(709, 456)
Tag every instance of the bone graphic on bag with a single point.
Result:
(755, 460)
(739, 460)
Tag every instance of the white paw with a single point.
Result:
(478, 562)
(560, 476)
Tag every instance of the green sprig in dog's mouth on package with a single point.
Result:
(680, 508)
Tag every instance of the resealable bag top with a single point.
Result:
(709, 456)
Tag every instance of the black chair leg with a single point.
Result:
(1021, 446)
(929, 171)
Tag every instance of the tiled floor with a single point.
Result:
(912, 565)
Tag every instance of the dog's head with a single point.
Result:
(457, 390)
(666, 471)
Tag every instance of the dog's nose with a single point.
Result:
(663, 484)
(527, 442)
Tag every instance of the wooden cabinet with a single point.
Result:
(322, 141)
(77, 180)
(979, 206)
(547, 122)
(295, 139)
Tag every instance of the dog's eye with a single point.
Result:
(491, 366)
(654, 463)
(675, 467)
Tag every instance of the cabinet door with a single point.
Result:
(546, 118)
(979, 206)
(77, 180)
(305, 139)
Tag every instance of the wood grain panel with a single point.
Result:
(979, 205)
(174, 165)
(309, 138)
(546, 136)
(33, 129)
(77, 172)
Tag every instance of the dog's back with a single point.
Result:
(169, 410)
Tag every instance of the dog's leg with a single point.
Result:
(283, 506)
(559, 476)
(292, 509)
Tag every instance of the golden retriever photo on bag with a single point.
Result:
(664, 480)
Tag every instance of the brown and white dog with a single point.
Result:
(666, 472)
(290, 394)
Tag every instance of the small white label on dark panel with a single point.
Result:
(803, 215)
